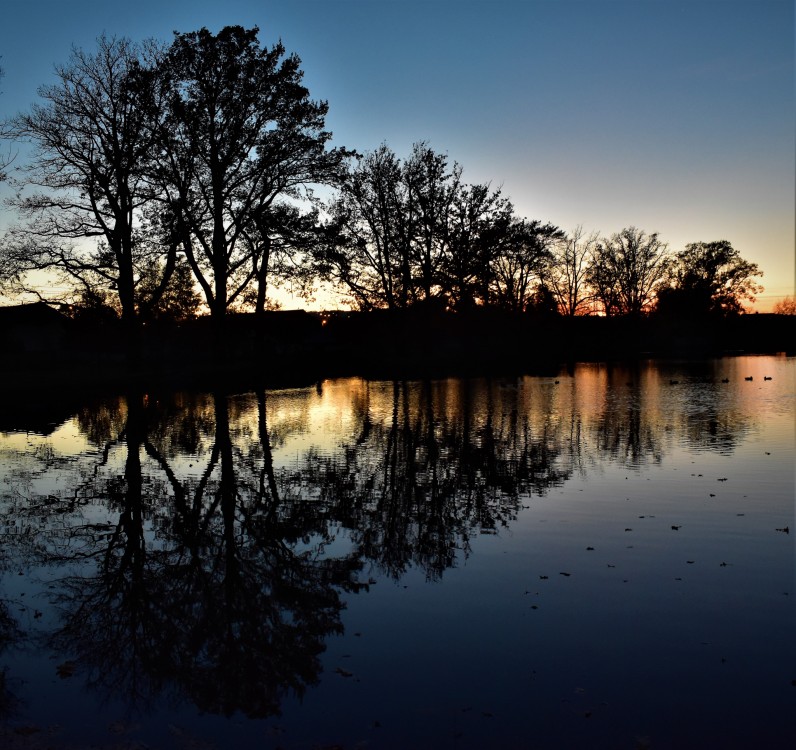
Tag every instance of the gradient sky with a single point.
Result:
(675, 117)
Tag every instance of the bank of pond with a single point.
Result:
(40, 345)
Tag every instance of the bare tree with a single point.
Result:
(364, 255)
(567, 274)
(392, 224)
(520, 267)
(626, 270)
(5, 159)
(92, 136)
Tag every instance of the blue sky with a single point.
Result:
(675, 117)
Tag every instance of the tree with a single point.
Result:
(280, 240)
(93, 134)
(5, 160)
(240, 131)
(432, 188)
(178, 300)
(411, 232)
(567, 273)
(479, 231)
(366, 244)
(786, 306)
(709, 278)
(390, 227)
(626, 270)
(520, 267)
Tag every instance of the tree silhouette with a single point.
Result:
(280, 240)
(480, 225)
(409, 232)
(239, 132)
(208, 583)
(93, 135)
(626, 270)
(432, 187)
(709, 278)
(371, 225)
(4, 160)
(567, 273)
(521, 266)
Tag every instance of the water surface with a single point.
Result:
(598, 559)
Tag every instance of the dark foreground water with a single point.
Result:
(598, 560)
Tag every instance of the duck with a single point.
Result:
(749, 378)
(766, 377)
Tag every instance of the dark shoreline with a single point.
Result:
(298, 348)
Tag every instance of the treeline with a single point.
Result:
(171, 179)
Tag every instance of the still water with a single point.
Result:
(602, 559)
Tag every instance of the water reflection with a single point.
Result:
(430, 464)
(200, 546)
(213, 587)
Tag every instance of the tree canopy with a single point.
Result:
(406, 232)
(168, 174)
(709, 278)
(240, 133)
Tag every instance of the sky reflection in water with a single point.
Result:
(601, 561)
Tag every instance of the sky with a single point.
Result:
(673, 117)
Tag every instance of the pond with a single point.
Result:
(601, 558)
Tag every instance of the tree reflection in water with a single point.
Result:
(206, 543)
(211, 589)
(413, 488)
